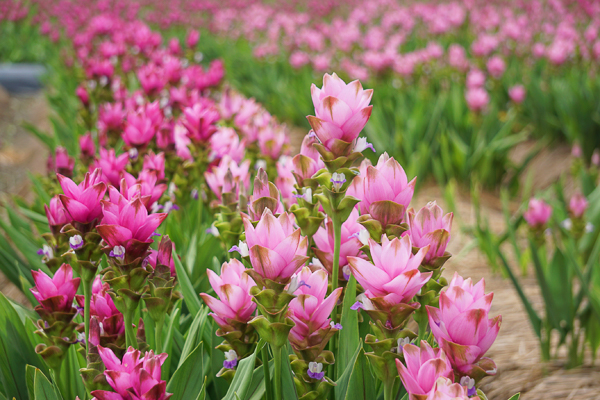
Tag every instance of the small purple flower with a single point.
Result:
(338, 180)
(155, 234)
(315, 370)
(241, 248)
(337, 326)
(469, 383)
(195, 195)
(133, 153)
(356, 306)
(76, 242)
(346, 272)
(230, 359)
(118, 252)
(46, 251)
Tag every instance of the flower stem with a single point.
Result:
(335, 270)
(388, 390)
(158, 335)
(87, 292)
(278, 373)
(268, 385)
(130, 338)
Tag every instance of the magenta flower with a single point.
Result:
(82, 201)
(103, 308)
(264, 195)
(139, 130)
(134, 378)
(462, 328)
(83, 95)
(55, 294)
(111, 117)
(126, 226)
(61, 162)
(111, 166)
(496, 66)
(475, 79)
(232, 287)
(444, 389)
(424, 365)
(226, 141)
(430, 227)
(538, 213)
(308, 162)
(394, 275)
(57, 215)
(216, 179)
(477, 99)
(517, 93)
(146, 187)
(577, 205)
(350, 245)
(277, 250)
(164, 255)
(87, 146)
(192, 38)
(155, 162)
(310, 310)
(384, 191)
(199, 121)
(342, 110)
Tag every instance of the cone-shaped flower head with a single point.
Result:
(430, 227)
(128, 225)
(577, 205)
(232, 287)
(112, 166)
(61, 162)
(228, 177)
(56, 293)
(462, 328)
(140, 130)
(199, 121)
(444, 389)
(103, 308)
(82, 201)
(424, 365)
(384, 191)
(265, 195)
(57, 215)
(310, 310)
(155, 162)
(277, 250)
(342, 110)
(538, 213)
(133, 378)
(308, 162)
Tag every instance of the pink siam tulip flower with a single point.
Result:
(57, 215)
(134, 378)
(342, 110)
(424, 365)
(103, 308)
(146, 187)
(155, 162)
(83, 95)
(538, 213)
(496, 67)
(128, 226)
(444, 389)
(55, 294)
(226, 141)
(394, 275)
(457, 57)
(87, 146)
(174, 46)
(277, 250)
(264, 195)
(232, 287)
(112, 167)
(475, 79)
(192, 38)
(299, 59)
(285, 180)
(576, 150)
(61, 162)
(538, 50)
(82, 201)
(350, 245)
(199, 120)
(182, 142)
(310, 310)
(384, 191)
(272, 139)
(151, 79)
(139, 130)
(430, 227)
(477, 99)
(517, 93)
(216, 179)
(462, 328)
(111, 117)
(577, 205)
(163, 256)
(308, 162)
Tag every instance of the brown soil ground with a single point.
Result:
(516, 350)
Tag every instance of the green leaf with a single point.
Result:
(184, 384)
(343, 381)
(288, 387)
(168, 343)
(515, 397)
(362, 382)
(192, 334)
(349, 338)
(191, 298)
(243, 375)
(43, 389)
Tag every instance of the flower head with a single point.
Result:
(55, 294)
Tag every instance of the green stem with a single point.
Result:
(278, 373)
(267, 372)
(87, 292)
(158, 335)
(337, 237)
(130, 338)
(388, 390)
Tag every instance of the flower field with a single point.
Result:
(301, 200)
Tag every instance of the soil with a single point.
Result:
(516, 350)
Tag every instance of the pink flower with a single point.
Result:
(217, 179)
(182, 142)
(299, 59)
(83, 95)
(517, 93)
(264, 195)
(577, 205)
(164, 255)
(111, 166)
(462, 328)
(538, 213)
(61, 162)
(444, 389)
(145, 187)
(424, 365)
(342, 110)
(87, 146)
(82, 201)
(475, 79)
(111, 116)
(457, 57)
(199, 120)
(384, 191)
(285, 180)
(477, 99)
(350, 245)
(55, 294)
(155, 162)
(394, 274)
(232, 287)
(128, 224)
(192, 38)
(277, 250)
(226, 141)
(310, 310)
(496, 66)
(57, 215)
(308, 162)
(134, 378)
(103, 308)
(430, 227)
(139, 130)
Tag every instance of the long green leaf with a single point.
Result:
(43, 389)
(362, 382)
(349, 337)
(191, 298)
(185, 383)
(243, 376)
(341, 387)
(192, 334)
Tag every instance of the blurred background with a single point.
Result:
(488, 102)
